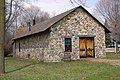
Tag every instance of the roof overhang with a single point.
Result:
(44, 26)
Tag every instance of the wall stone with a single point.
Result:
(75, 24)
(33, 46)
(50, 46)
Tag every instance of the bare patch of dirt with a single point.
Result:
(112, 62)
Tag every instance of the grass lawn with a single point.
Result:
(113, 55)
(73, 70)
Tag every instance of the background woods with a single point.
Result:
(109, 12)
(19, 18)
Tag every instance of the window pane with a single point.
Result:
(67, 41)
(68, 46)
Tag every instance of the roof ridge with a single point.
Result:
(40, 27)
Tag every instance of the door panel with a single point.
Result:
(82, 48)
(86, 47)
(90, 48)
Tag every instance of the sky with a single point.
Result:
(55, 7)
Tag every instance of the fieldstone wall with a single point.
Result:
(75, 24)
(32, 46)
(49, 45)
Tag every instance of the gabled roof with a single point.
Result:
(40, 27)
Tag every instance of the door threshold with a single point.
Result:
(86, 58)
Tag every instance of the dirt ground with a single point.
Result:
(112, 62)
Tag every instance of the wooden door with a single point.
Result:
(90, 47)
(83, 47)
(86, 47)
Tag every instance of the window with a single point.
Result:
(19, 46)
(68, 45)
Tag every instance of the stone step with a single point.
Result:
(67, 56)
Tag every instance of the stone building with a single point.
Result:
(73, 35)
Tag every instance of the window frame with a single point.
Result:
(70, 49)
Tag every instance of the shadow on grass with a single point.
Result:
(22, 67)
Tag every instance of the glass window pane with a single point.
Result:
(68, 46)
(67, 41)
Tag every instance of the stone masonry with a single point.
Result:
(49, 45)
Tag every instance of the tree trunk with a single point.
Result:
(2, 21)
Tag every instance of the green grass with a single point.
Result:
(74, 70)
(113, 55)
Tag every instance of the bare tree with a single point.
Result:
(2, 65)
(110, 11)
(12, 11)
(4, 22)
(33, 13)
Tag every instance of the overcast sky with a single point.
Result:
(59, 6)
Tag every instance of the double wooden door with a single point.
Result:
(86, 47)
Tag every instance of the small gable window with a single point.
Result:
(68, 45)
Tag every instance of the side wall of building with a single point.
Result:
(32, 46)
(73, 25)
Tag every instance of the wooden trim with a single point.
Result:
(94, 46)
